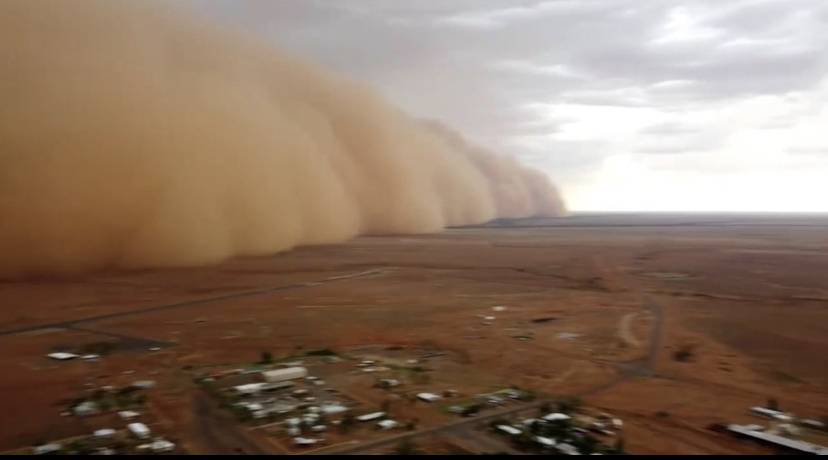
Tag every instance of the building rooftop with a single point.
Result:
(802, 446)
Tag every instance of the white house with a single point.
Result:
(50, 448)
(305, 441)
(162, 445)
(288, 373)
(128, 414)
(104, 433)
(387, 424)
(139, 430)
(249, 388)
(332, 409)
(555, 416)
(544, 441)
(428, 397)
(371, 416)
(567, 449)
(62, 356)
(765, 411)
(508, 429)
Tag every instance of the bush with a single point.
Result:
(471, 409)
(569, 404)
(266, 358)
(321, 352)
(684, 354)
(406, 447)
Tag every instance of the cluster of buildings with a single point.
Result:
(308, 405)
(561, 433)
(133, 436)
(490, 400)
(784, 431)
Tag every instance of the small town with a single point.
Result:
(381, 399)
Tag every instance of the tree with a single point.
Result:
(267, 358)
(347, 422)
(587, 444)
(471, 410)
(569, 404)
(406, 447)
(619, 446)
(684, 354)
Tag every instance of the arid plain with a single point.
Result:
(673, 322)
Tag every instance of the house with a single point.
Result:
(318, 428)
(128, 414)
(85, 408)
(779, 441)
(529, 421)
(556, 416)
(387, 424)
(104, 433)
(139, 430)
(305, 441)
(787, 429)
(371, 416)
(162, 445)
(249, 388)
(508, 429)
(144, 384)
(62, 356)
(764, 411)
(544, 441)
(45, 449)
(332, 409)
(288, 373)
(812, 424)
(567, 449)
(428, 397)
(293, 421)
(389, 383)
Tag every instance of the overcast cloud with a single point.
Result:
(627, 104)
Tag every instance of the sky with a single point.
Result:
(628, 105)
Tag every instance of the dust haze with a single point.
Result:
(132, 136)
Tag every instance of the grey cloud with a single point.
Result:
(475, 63)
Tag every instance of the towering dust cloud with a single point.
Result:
(133, 137)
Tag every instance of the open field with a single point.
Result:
(596, 305)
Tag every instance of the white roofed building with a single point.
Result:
(139, 430)
(288, 373)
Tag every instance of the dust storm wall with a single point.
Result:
(131, 136)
